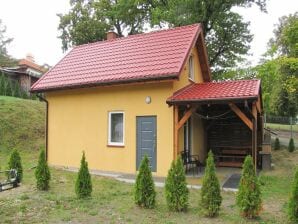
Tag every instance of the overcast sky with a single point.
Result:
(33, 25)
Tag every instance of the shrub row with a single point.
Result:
(248, 198)
(291, 146)
(10, 87)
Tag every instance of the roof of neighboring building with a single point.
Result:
(213, 91)
(31, 64)
(151, 56)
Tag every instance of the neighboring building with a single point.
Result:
(152, 94)
(26, 73)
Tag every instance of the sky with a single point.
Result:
(33, 26)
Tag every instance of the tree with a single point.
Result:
(276, 144)
(83, 187)
(210, 192)
(42, 173)
(249, 194)
(176, 187)
(5, 59)
(89, 20)
(285, 37)
(279, 70)
(227, 35)
(291, 146)
(293, 204)
(144, 192)
(15, 162)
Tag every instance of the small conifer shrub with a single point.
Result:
(210, 193)
(291, 146)
(176, 187)
(15, 162)
(144, 190)
(42, 173)
(293, 204)
(276, 144)
(249, 194)
(83, 187)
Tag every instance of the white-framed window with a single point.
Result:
(116, 128)
(191, 69)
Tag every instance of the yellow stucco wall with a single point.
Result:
(197, 128)
(198, 138)
(183, 79)
(78, 120)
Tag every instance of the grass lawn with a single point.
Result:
(112, 201)
(282, 127)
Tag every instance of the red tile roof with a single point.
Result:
(31, 65)
(141, 57)
(212, 91)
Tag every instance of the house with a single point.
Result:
(152, 94)
(26, 73)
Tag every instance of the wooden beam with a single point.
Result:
(254, 110)
(176, 132)
(185, 117)
(254, 134)
(258, 104)
(241, 115)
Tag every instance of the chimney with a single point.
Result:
(30, 57)
(111, 35)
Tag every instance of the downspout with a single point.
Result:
(47, 119)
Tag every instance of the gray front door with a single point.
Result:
(146, 140)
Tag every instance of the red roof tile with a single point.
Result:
(211, 91)
(31, 65)
(150, 56)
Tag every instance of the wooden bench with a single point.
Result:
(231, 157)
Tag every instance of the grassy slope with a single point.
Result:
(112, 201)
(21, 123)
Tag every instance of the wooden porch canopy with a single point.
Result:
(243, 97)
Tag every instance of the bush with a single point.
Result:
(83, 186)
(42, 173)
(276, 144)
(291, 146)
(210, 193)
(176, 187)
(15, 162)
(249, 194)
(144, 193)
(293, 204)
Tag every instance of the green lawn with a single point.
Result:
(112, 201)
(282, 127)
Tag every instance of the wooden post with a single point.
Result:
(176, 131)
(178, 124)
(254, 134)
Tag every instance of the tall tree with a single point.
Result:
(89, 20)
(285, 40)
(227, 35)
(5, 59)
(279, 69)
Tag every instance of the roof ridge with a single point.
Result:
(136, 35)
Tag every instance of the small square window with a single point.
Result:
(116, 128)
(191, 68)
